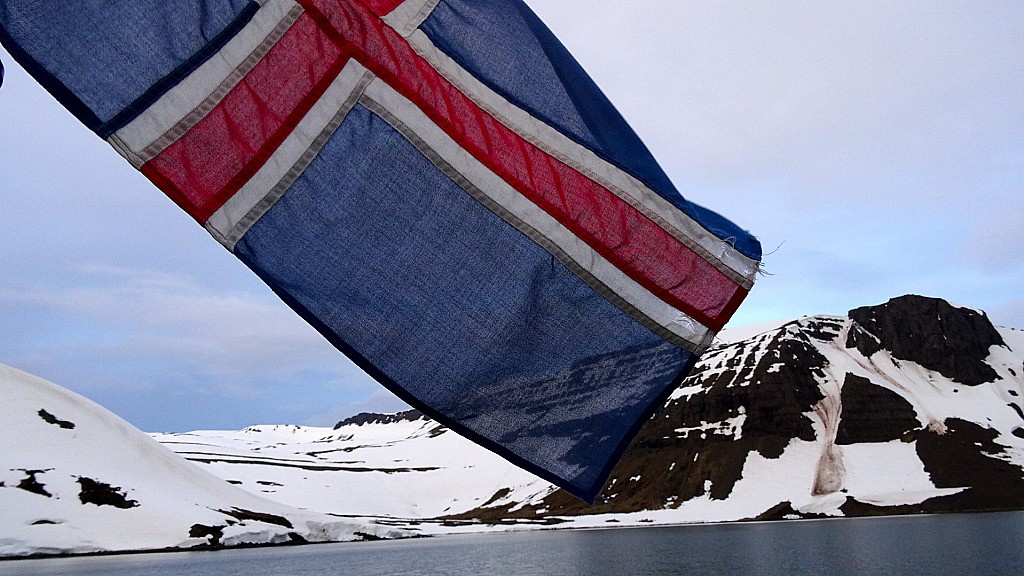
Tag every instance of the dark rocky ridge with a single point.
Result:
(373, 418)
(931, 332)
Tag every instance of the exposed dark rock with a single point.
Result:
(854, 507)
(781, 511)
(54, 420)
(784, 511)
(214, 533)
(498, 496)
(872, 413)
(243, 514)
(30, 484)
(867, 343)
(966, 456)
(951, 341)
(103, 494)
(46, 521)
(372, 418)
(822, 328)
(1017, 409)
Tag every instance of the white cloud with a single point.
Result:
(119, 335)
(846, 102)
(160, 314)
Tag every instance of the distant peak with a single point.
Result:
(374, 418)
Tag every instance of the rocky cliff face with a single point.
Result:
(917, 389)
(371, 418)
(930, 332)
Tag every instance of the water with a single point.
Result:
(974, 544)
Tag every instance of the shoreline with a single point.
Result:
(510, 529)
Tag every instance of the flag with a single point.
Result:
(435, 185)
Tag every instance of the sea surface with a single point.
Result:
(954, 544)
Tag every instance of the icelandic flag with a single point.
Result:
(435, 185)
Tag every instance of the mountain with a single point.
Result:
(911, 406)
(75, 478)
(403, 469)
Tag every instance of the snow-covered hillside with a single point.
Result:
(408, 468)
(75, 478)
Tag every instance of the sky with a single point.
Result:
(875, 148)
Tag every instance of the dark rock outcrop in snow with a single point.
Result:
(872, 413)
(103, 494)
(50, 418)
(969, 455)
(31, 484)
(372, 418)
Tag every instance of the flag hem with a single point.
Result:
(49, 82)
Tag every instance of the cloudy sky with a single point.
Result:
(876, 148)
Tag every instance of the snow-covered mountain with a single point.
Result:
(75, 478)
(911, 406)
(396, 468)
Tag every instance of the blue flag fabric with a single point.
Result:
(435, 185)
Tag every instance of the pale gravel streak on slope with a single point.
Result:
(830, 471)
